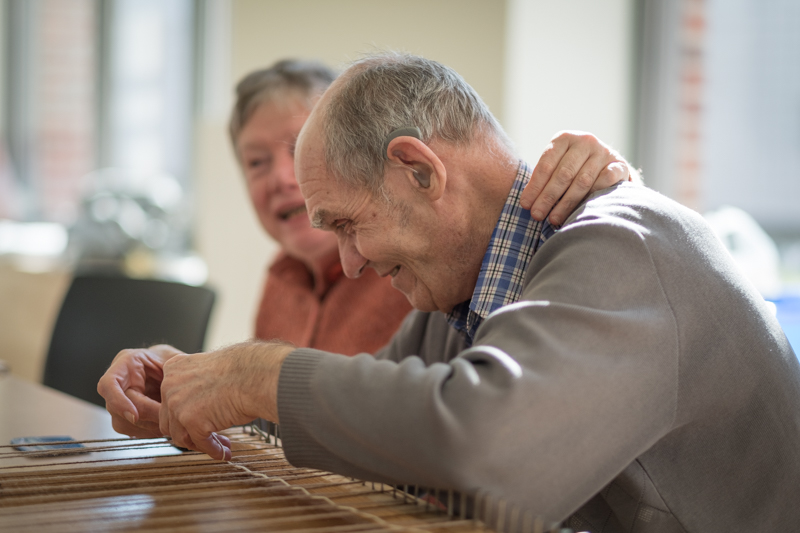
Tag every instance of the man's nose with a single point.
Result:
(353, 262)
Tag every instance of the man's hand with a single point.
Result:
(132, 389)
(208, 392)
(572, 166)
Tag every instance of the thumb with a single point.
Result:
(213, 445)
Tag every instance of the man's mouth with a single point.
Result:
(290, 213)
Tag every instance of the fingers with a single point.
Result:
(144, 430)
(112, 387)
(117, 403)
(573, 165)
(573, 177)
(542, 173)
(612, 174)
(224, 440)
(163, 421)
(170, 427)
(216, 446)
(131, 371)
(165, 351)
(146, 407)
(583, 184)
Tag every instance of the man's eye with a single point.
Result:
(341, 225)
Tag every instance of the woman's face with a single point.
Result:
(265, 148)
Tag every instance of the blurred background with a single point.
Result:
(114, 155)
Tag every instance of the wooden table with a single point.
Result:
(31, 410)
(257, 490)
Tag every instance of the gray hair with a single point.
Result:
(381, 93)
(288, 78)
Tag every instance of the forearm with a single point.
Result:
(254, 369)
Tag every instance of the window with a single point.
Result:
(96, 119)
(719, 115)
(89, 85)
(49, 112)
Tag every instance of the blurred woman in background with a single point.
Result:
(306, 299)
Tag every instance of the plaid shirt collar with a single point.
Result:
(515, 239)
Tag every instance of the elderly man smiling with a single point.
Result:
(622, 375)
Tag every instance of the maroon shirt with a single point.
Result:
(353, 316)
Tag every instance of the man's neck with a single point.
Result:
(484, 180)
(488, 180)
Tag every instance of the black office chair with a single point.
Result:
(102, 315)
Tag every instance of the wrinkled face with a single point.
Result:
(266, 151)
(396, 238)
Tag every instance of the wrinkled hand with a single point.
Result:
(132, 389)
(208, 392)
(572, 166)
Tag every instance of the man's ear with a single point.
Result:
(424, 168)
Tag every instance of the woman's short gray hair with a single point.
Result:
(384, 92)
(288, 78)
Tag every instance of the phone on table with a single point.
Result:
(49, 445)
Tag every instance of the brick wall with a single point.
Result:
(66, 95)
(690, 108)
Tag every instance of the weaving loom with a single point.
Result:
(257, 490)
